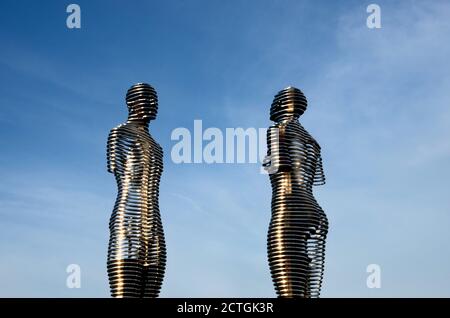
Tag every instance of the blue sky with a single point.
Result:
(378, 104)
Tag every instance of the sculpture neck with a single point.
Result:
(141, 123)
(286, 119)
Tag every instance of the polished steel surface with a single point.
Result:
(298, 226)
(137, 251)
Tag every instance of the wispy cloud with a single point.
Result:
(378, 104)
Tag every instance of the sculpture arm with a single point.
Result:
(319, 175)
(111, 151)
(278, 157)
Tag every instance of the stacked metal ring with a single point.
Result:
(137, 251)
(298, 226)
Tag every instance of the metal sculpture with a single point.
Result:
(298, 226)
(137, 251)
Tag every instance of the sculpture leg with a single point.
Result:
(153, 271)
(317, 252)
(288, 257)
(125, 278)
(153, 278)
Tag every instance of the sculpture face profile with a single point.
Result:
(298, 226)
(137, 252)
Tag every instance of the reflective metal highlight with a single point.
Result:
(137, 250)
(298, 226)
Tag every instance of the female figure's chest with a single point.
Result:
(301, 147)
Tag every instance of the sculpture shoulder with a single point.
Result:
(125, 131)
(131, 133)
(272, 128)
(123, 128)
(120, 129)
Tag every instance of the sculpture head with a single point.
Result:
(142, 102)
(289, 103)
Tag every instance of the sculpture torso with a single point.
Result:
(298, 227)
(137, 165)
(299, 154)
